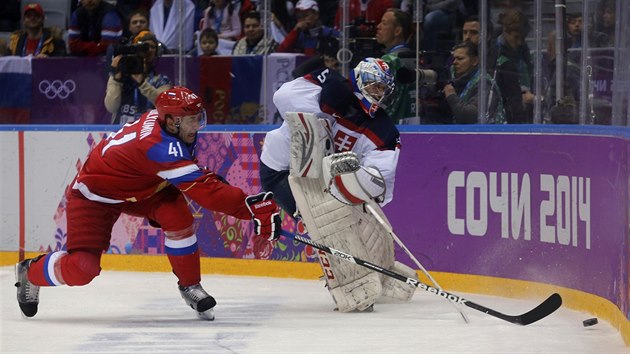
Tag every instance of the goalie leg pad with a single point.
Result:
(348, 229)
(357, 295)
(396, 289)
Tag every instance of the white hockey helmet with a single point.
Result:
(372, 82)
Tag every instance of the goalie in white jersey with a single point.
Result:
(336, 150)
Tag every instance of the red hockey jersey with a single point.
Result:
(141, 159)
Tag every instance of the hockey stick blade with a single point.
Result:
(546, 308)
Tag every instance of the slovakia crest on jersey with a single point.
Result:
(343, 141)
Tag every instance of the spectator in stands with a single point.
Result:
(94, 26)
(283, 18)
(564, 109)
(137, 21)
(130, 92)
(327, 58)
(165, 23)
(574, 30)
(126, 8)
(253, 43)
(575, 26)
(606, 22)
(503, 73)
(439, 21)
(34, 39)
(462, 93)
(471, 30)
(365, 14)
(200, 8)
(208, 42)
(392, 32)
(514, 61)
(222, 17)
(245, 6)
(308, 31)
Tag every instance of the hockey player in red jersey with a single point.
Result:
(145, 169)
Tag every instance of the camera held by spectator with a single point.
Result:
(134, 83)
(132, 60)
(426, 77)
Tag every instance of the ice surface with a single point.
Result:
(128, 312)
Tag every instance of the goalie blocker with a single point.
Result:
(328, 198)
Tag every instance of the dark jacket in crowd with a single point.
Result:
(50, 45)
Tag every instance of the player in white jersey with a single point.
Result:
(353, 107)
(361, 169)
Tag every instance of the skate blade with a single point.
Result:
(207, 315)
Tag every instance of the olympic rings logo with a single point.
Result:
(57, 88)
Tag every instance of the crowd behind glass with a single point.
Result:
(456, 61)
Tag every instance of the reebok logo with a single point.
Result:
(263, 204)
(440, 292)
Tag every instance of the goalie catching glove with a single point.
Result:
(349, 182)
(266, 215)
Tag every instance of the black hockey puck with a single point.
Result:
(590, 322)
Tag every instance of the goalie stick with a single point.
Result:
(544, 309)
(413, 258)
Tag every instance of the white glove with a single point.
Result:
(349, 182)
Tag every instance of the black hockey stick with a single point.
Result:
(546, 308)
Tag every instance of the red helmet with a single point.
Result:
(178, 102)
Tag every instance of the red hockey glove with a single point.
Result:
(266, 215)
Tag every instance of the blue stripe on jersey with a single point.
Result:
(181, 247)
(181, 251)
(46, 274)
(193, 176)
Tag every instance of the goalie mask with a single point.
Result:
(372, 82)
(180, 102)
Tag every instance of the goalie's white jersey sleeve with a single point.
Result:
(298, 95)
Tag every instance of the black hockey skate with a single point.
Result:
(27, 293)
(199, 300)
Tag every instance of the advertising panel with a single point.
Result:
(545, 208)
